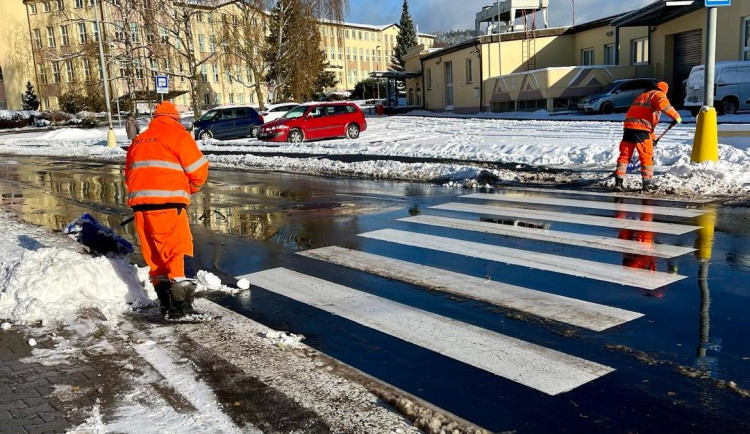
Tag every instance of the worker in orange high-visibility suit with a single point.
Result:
(163, 168)
(640, 122)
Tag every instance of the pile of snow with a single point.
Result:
(208, 281)
(282, 339)
(54, 283)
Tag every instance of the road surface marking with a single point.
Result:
(610, 222)
(567, 310)
(600, 194)
(646, 279)
(569, 238)
(541, 368)
(592, 204)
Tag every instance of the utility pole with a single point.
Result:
(111, 141)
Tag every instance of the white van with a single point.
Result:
(732, 88)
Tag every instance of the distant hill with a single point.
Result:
(453, 37)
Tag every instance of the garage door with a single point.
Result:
(687, 54)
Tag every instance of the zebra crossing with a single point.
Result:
(546, 370)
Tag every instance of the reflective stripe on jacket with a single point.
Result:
(646, 110)
(164, 165)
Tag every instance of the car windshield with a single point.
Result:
(207, 116)
(608, 88)
(295, 113)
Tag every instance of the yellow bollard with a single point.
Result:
(704, 242)
(706, 141)
(111, 140)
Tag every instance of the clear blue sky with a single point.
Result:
(437, 15)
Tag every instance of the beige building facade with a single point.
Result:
(552, 68)
(16, 63)
(63, 38)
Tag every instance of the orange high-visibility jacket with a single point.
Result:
(164, 165)
(646, 110)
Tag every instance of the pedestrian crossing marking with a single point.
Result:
(582, 219)
(567, 310)
(591, 204)
(639, 278)
(613, 194)
(569, 238)
(543, 369)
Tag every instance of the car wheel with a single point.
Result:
(607, 108)
(728, 107)
(352, 131)
(694, 111)
(295, 136)
(205, 135)
(254, 131)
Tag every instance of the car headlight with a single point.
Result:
(592, 101)
(278, 128)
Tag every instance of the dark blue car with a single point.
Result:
(228, 123)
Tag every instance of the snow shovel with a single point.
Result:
(634, 163)
(97, 237)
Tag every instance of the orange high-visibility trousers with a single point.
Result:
(645, 154)
(165, 239)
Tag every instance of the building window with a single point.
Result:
(82, 37)
(609, 54)
(199, 18)
(87, 69)
(134, 32)
(163, 35)
(119, 31)
(746, 38)
(1, 74)
(359, 33)
(241, 98)
(340, 54)
(210, 18)
(204, 74)
(64, 38)
(69, 70)
(79, 4)
(42, 74)
(32, 9)
(216, 73)
(469, 71)
(361, 54)
(37, 38)
(428, 78)
(587, 56)
(138, 70)
(45, 7)
(60, 5)
(639, 51)
(182, 73)
(211, 44)
(231, 98)
(202, 43)
(206, 98)
(55, 72)
(95, 26)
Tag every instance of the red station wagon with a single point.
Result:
(316, 121)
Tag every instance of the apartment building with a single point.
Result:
(62, 40)
(16, 64)
(355, 50)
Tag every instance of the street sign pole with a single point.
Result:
(708, 97)
(111, 140)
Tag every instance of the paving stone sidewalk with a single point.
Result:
(35, 398)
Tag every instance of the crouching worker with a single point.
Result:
(640, 122)
(163, 168)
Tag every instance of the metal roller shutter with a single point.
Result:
(688, 50)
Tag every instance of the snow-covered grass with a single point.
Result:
(587, 145)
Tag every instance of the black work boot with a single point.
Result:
(164, 293)
(619, 186)
(648, 185)
(183, 294)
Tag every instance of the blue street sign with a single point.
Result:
(717, 3)
(162, 84)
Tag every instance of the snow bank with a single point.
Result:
(54, 283)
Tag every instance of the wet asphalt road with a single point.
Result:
(683, 367)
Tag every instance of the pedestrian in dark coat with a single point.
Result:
(131, 127)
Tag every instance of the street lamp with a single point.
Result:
(377, 79)
(111, 141)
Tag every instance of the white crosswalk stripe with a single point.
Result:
(541, 368)
(547, 191)
(567, 310)
(539, 215)
(569, 238)
(541, 261)
(591, 204)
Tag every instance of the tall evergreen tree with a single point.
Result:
(296, 64)
(29, 98)
(406, 38)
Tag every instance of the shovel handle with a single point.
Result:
(124, 222)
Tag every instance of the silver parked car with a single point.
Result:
(617, 95)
